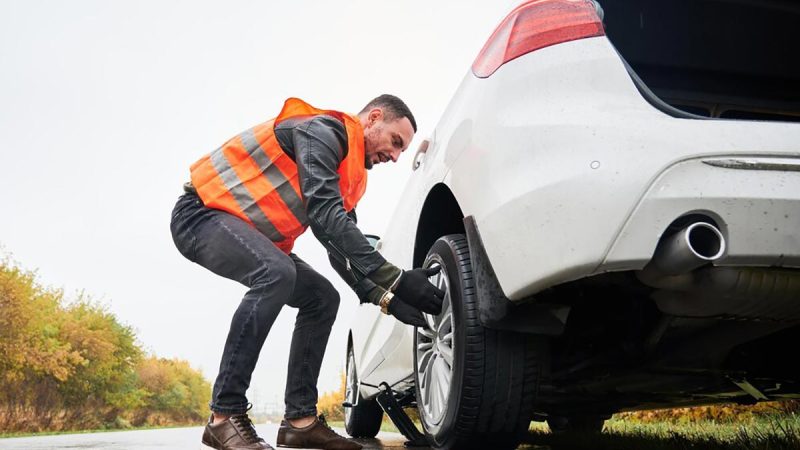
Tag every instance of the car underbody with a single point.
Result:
(620, 351)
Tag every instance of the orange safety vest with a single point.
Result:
(252, 178)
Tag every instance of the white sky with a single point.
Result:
(105, 104)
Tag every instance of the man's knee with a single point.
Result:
(280, 273)
(329, 300)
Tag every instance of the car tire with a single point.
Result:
(362, 419)
(494, 374)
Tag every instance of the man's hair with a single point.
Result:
(393, 108)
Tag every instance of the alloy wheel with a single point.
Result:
(435, 349)
(350, 389)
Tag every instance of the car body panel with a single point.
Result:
(741, 201)
(567, 122)
(609, 146)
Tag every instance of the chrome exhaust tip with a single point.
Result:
(704, 240)
(695, 245)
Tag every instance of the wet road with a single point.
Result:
(172, 438)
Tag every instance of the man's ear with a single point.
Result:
(375, 115)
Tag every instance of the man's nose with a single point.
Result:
(394, 155)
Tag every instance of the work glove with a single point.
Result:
(406, 313)
(414, 288)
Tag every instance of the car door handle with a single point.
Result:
(420, 155)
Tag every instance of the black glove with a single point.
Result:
(406, 313)
(415, 289)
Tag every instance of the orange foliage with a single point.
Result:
(330, 403)
(725, 412)
(74, 365)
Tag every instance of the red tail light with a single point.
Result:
(534, 25)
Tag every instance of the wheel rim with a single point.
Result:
(350, 389)
(435, 350)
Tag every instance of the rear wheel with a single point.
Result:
(363, 418)
(475, 386)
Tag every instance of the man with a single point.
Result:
(246, 204)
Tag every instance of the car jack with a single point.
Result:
(393, 403)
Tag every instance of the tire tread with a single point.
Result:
(500, 376)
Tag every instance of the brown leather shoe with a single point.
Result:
(318, 435)
(236, 433)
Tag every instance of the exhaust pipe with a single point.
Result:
(684, 289)
(695, 245)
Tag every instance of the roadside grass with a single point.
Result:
(763, 433)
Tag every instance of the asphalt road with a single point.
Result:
(162, 439)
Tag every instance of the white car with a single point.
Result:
(613, 194)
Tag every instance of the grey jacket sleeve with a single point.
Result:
(362, 288)
(319, 149)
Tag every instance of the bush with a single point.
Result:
(66, 366)
(725, 412)
(173, 391)
(330, 403)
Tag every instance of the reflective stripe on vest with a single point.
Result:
(243, 198)
(251, 177)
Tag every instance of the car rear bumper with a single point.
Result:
(755, 202)
(755, 206)
(583, 175)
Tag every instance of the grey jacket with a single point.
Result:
(318, 144)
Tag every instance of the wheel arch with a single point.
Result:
(441, 215)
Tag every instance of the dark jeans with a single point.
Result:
(230, 247)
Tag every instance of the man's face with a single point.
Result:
(385, 140)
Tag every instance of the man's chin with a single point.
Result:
(368, 164)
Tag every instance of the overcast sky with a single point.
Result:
(105, 104)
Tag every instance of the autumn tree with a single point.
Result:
(74, 365)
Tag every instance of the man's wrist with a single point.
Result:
(396, 281)
(386, 275)
(375, 295)
(385, 301)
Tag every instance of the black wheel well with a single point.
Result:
(441, 215)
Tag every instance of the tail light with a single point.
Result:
(536, 24)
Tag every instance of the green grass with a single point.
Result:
(776, 433)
